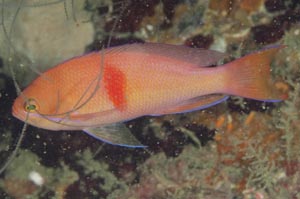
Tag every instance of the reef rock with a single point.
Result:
(35, 37)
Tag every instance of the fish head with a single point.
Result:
(37, 105)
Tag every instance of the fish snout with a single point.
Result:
(17, 112)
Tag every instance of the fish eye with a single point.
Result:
(30, 105)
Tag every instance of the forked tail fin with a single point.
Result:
(249, 76)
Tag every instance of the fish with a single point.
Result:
(99, 91)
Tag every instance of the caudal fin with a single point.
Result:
(249, 76)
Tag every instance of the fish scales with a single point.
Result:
(96, 92)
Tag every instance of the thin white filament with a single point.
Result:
(15, 151)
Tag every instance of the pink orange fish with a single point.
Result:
(98, 91)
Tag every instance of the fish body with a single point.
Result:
(98, 91)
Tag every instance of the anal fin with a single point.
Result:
(194, 104)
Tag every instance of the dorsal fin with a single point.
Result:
(199, 57)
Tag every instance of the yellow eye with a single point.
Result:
(30, 106)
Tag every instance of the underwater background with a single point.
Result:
(238, 149)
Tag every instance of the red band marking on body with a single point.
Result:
(115, 85)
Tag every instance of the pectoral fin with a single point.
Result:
(116, 134)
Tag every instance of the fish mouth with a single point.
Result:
(17, 113)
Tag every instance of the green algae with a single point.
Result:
(179, 177)
(98, 170)
(55, 180)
